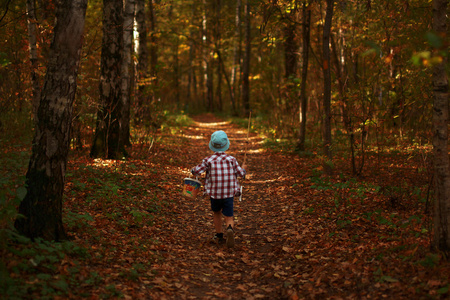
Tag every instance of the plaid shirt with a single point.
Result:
(222, 171)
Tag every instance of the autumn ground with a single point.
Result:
(298, 233)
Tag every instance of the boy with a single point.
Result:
(221, 184)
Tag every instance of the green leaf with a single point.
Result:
(4, 61)
(388, 278)
(374, 48)
(44, 276)
(443, 290)
(434, 40)
(21, 192)
(61, 285)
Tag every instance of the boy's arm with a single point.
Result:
(199, 169)
(240, 171)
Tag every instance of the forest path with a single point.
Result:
(299, 233)
(262, 264)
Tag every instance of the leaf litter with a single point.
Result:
(299, 235)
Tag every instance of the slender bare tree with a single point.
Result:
(236, 56)
(152, 4)
(32, 45)
(327, 88)
(306, 37)
(246, 64)
(440, 139)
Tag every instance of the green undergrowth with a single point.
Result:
(274, 140)
(39, 267)
(117, 192)
(115, 196)
(174, 121)
(353, 208)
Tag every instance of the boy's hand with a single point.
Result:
(244, 166)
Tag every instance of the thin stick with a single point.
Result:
(245, 154)
(248, 131)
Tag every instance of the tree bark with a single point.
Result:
(246, 63)
(192, 82)
(128, 25)
(290, 51)
(340, 75)
(176, 72)
(306, 34)
(327, 88)
(218, 7)
(108, 140)
(207, 60)
(142, 59)
(236, 56)
(32, 42)
(153, 49)
(42, 205)
(440, 140)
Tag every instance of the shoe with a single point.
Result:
(230, 237)
(218, 239)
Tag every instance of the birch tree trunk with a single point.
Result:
(440, 139)
(327, 88)
(142, 59)
(42, 205)
(128, 24)
(108, 140)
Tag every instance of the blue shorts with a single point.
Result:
(224, 205)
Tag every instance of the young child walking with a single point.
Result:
(221, 185)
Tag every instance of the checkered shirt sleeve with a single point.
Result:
(222, 171)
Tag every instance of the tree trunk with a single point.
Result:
(246, 64)
(327, 89)
(142, 59)
(192, 83)
(153, 50)
(32, 41)
(230, 88)
(108, 140)
(176, 72)
(306, 33)
(290, 51)
(290, 63)
(128, 24)
(218, 49)
(440, 139)
(236, 56)
(207, 60)
(42, 205)
(344, 109)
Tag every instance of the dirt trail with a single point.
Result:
(292, 240)
(254, 268)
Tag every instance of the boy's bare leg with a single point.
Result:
(230, 232)
(218, 221)
(229, 221)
